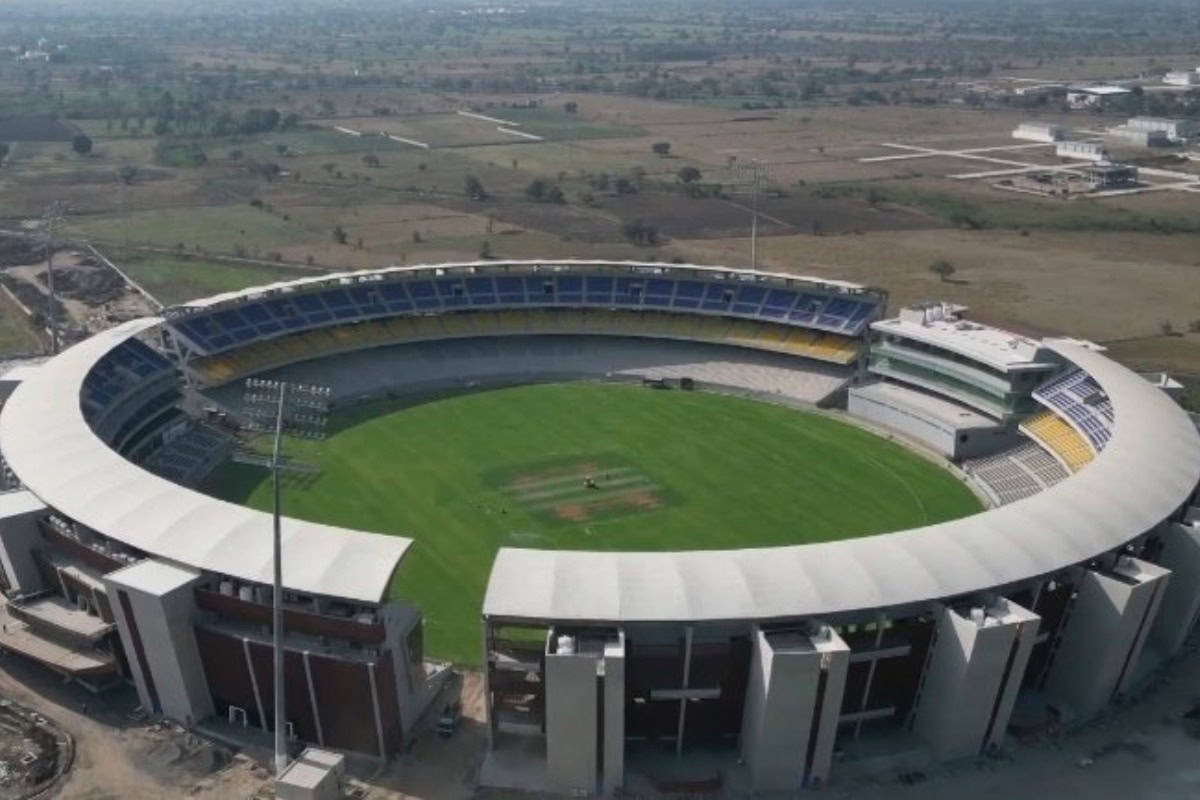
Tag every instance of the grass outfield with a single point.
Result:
(467, 474)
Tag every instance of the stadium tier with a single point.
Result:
(1059, 438)
(764, 660)
(258, 356)
(1075, 396)
(232, 321)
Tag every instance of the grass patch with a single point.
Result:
(741, 474)
(177, 279)
(1080, 214)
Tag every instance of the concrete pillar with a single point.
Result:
(1181, 600)
(614, 716)
(19, 513)
(793, 700)
(973, 677)
(1103, 636)
(154, 606)
(571, 717)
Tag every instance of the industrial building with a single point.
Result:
(1182, 78)
(1137, 137)
(1079, 577)
(1175, 130)
(1040, 132)
(1095, 96)
(1099, 177)
(1084, 151)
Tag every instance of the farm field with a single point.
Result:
(467, 474)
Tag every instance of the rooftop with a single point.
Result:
(58, 457)
(949, 412)
(941, 325)
(1100, 89)
(1148, 470)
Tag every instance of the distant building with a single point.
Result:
(1095, 96)
(1176, 130)
(1040, 132)
(1182, 78)
(1110, 176)
(1136, 137)
(1086, 151)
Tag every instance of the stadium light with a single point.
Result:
(279, 408)
(52, 217)
(755, 171)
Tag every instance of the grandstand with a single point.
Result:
(1059, 438)
(458, 363)
(1015, 474)
(763, 660)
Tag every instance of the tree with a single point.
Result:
(570, 106)
(640, 232)
(127, 173)
(689, 174)
(81, 144)
(474, 188)
(371, 160)
(485, 249)
(541, 190)
(942, 268)
(661, 148)
(281, 149)
(235, 155)
(339, 234)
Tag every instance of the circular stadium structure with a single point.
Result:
(1081, 575)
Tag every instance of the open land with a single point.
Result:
(466, 475)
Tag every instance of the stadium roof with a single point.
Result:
(61, 460)
(492, 268)
(1147, 471)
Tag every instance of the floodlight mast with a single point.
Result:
(279, 407)
(756, 172)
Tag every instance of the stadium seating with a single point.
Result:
(119, 374)
(1059, 437)
(1075, 395)
(1015, 474)
(228, 328)
(459, 362)
(257, 356)
(187, 458)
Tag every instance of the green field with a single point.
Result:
(467, 474)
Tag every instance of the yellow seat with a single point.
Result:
(1060, 438)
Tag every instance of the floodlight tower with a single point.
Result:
(755, 171)
(279, 408)
(51, 218)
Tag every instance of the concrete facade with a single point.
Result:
(793, 700)
(571, 715)
(1103, 637)
(154, 606)
(973, 677)
(954, 431)
(614, 716)
(19, 512)
(1180, 605)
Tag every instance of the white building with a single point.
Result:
(1040, 132)
(1176, 130)
(1182, 78)
(1087, 151)
(1138, 137)
(1094, 96)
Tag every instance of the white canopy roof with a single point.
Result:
(58, 457)
(1146, 472)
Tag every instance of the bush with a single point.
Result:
(543, 191)
(640, 232)
(661, 148)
